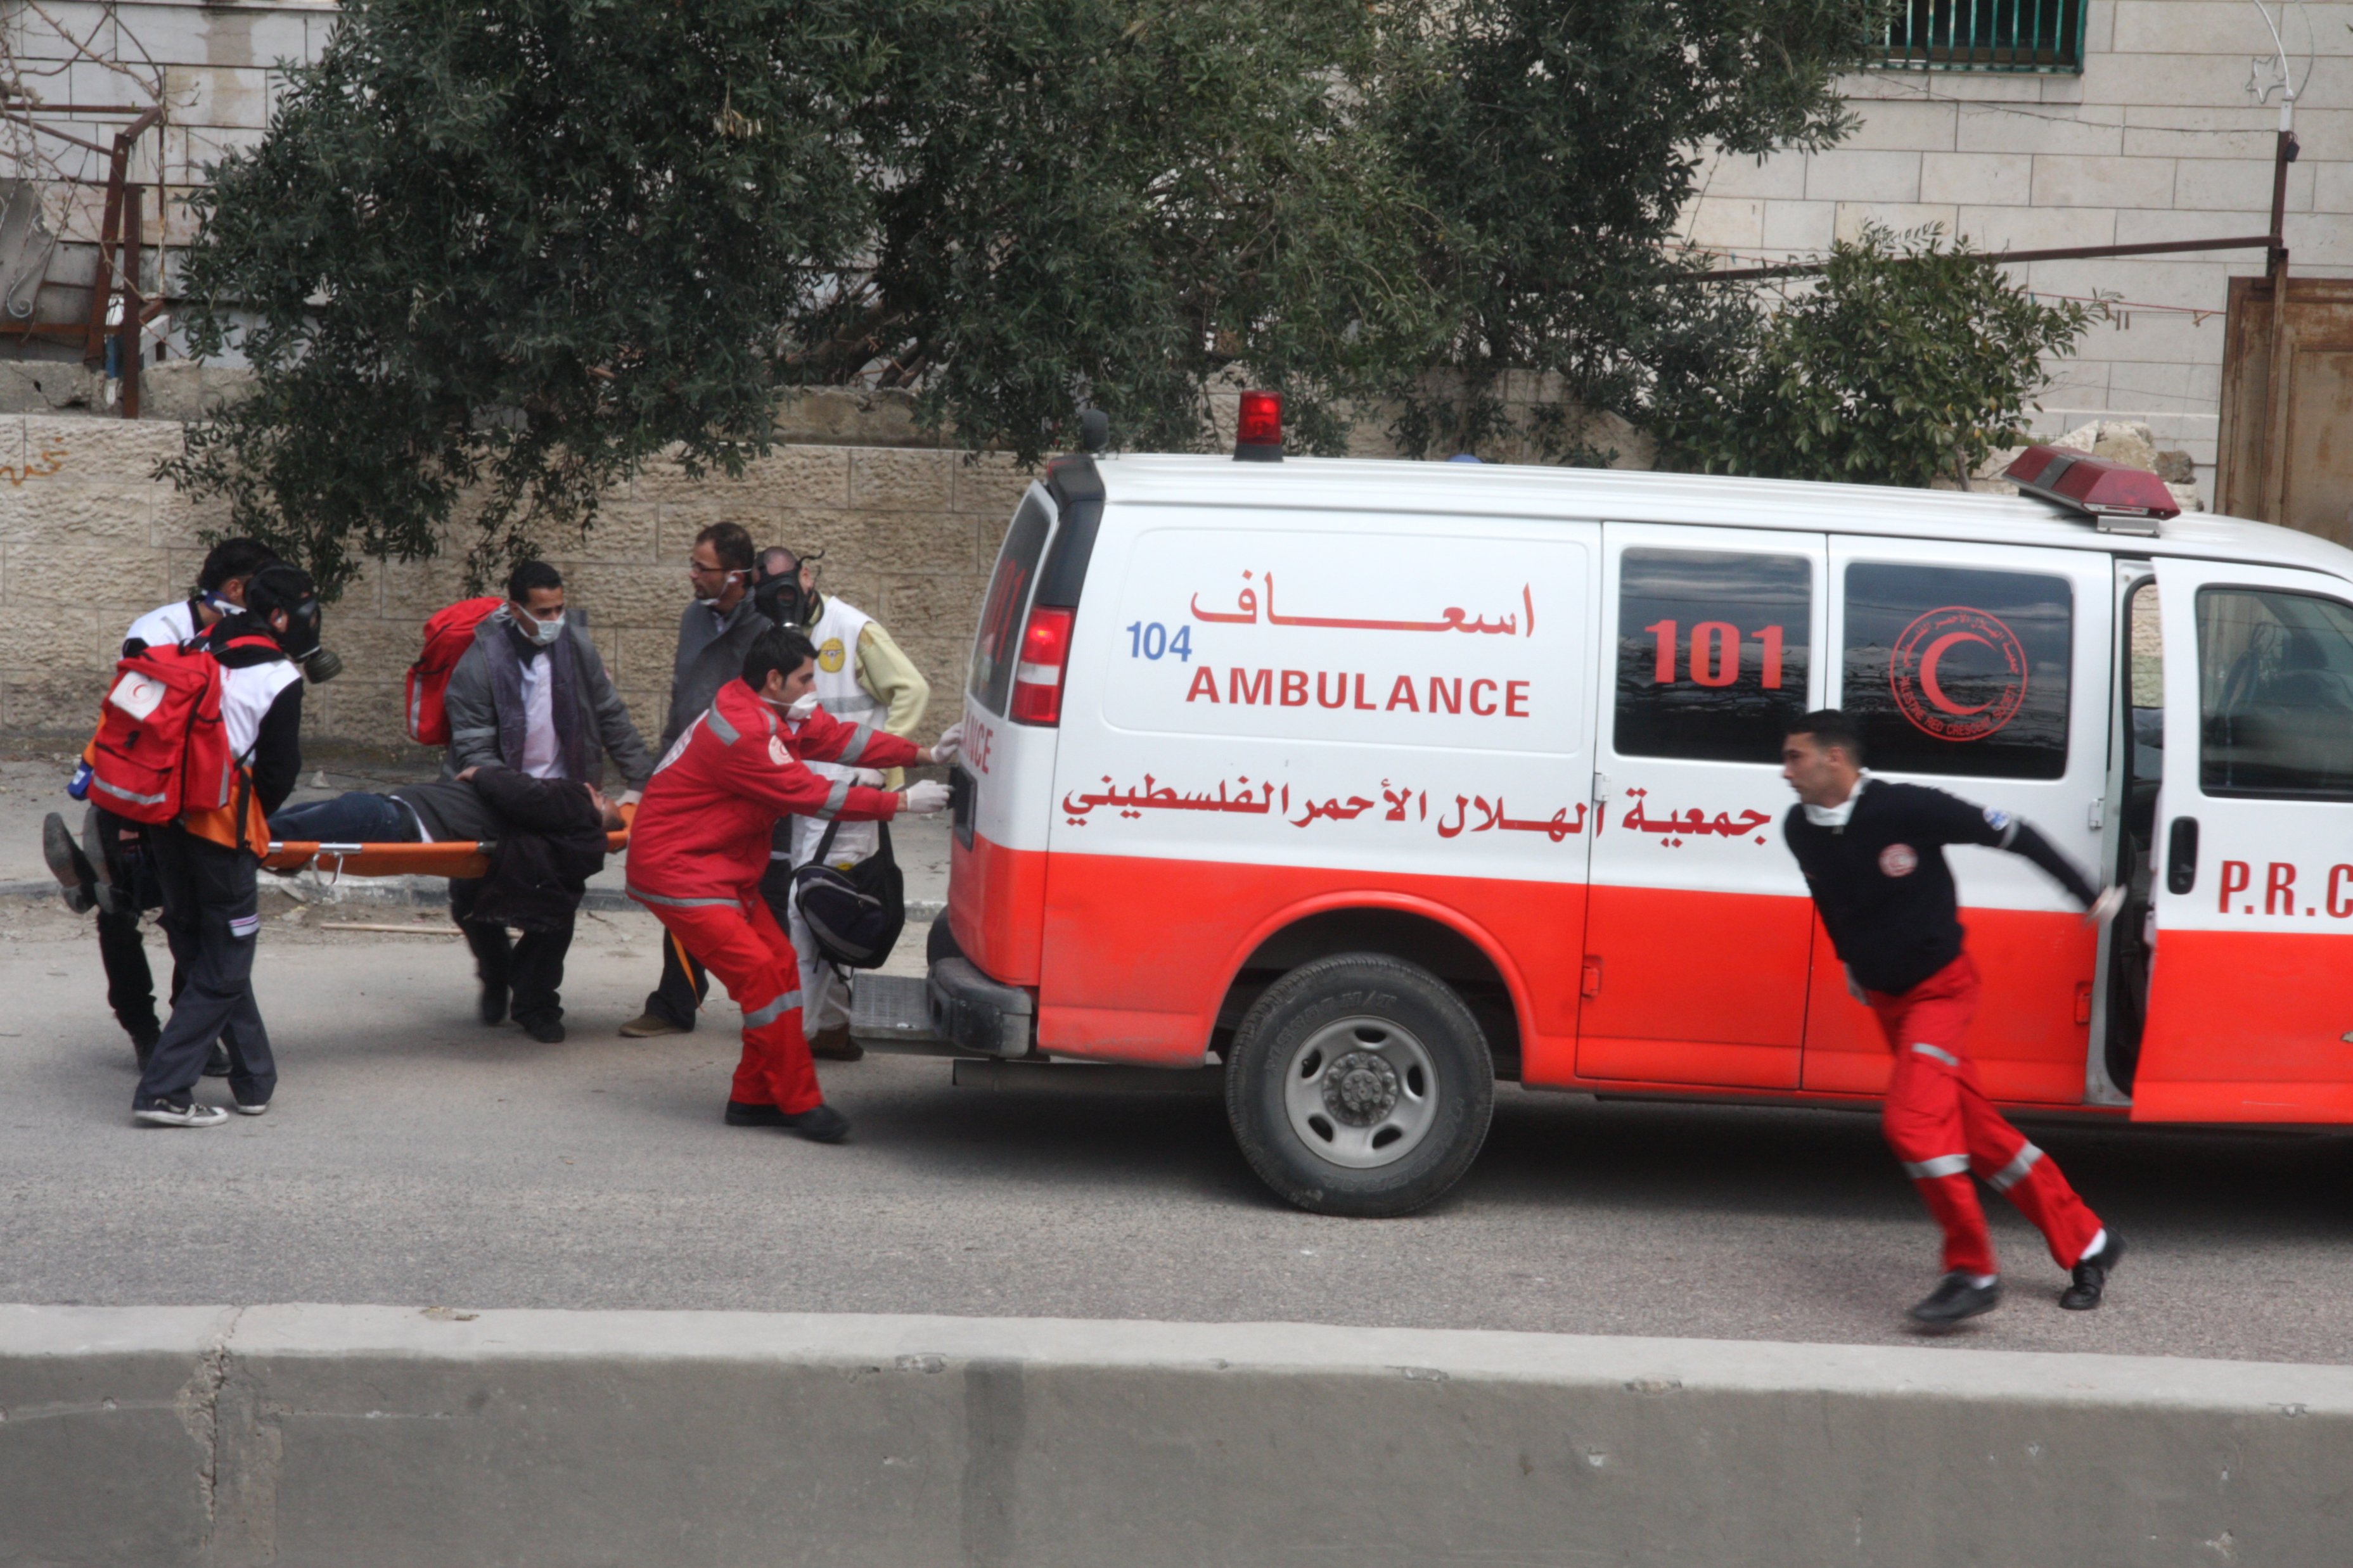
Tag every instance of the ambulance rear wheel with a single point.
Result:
(1359, 1085)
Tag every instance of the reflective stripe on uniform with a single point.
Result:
(645, 898)
(718, 725)
(835, 799)
(857, 747)
(2010, 1175)
(1940, 1165)
(1932, 1054)
(761, 1017)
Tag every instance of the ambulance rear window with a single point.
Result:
(2275, 695)
(997, 649)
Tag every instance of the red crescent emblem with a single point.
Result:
(1919, 685)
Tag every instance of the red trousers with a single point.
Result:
(1942, 1127)
(751, 956)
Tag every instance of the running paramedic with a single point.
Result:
(1874, 856)
(699, 848)
(206, 861)
(109, 869)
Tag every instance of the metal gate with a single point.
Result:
(2287, 448)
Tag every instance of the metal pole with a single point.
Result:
(127, 334)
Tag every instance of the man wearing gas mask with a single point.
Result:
(206, 861)
(532, 695)
(110, 869)
(863, 678)
(715, 632)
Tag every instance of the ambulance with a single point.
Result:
(1374, 783)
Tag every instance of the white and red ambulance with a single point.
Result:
(1377, 781)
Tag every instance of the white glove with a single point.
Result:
(950, 744)
(923, 798)
(2103, 908)
(1855, 988)
(800, 711)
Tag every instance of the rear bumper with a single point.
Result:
(974, 1013)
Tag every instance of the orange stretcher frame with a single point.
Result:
(450, 860)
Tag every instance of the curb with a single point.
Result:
(366, 1435)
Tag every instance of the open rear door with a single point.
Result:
(2250, 1014)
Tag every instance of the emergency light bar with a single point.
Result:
(1258, 434)
(2116, 498)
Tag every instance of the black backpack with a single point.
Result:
(856, 915)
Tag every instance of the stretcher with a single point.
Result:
(456, 858)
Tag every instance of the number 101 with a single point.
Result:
(1716, 652)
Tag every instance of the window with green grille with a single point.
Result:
(1986, 35)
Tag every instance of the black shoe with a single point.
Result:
(216, 1064)
(742, 1115)
(822, 1124)
(1955, 1298)
(546, 1031)
(2091, 1275)
(76, 880)
(142, 1045)
(180, 1113)
(493, 1002)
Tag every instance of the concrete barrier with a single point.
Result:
(362, 1436)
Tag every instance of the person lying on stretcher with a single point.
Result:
(549, 837)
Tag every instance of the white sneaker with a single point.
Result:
(242, 1109)
(189, 1115)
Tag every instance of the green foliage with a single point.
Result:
(517, 247)
(1558, 142)
(1905, 362)
(523, 244)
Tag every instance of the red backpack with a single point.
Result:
(448, 635)
(161, 748)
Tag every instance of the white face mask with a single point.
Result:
(801, 709)
(543, 633)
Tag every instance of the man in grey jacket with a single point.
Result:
(713, 635)
(532, 695)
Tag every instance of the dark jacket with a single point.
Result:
(710, 654)
(551, 841)
(1880, 882)
(485, 704)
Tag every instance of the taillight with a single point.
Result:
(1037, 678)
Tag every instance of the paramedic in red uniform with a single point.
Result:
(1874, 856)
(701, 844)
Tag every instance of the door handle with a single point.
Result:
(2181, 856)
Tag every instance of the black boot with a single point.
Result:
(820, 1124)
(1955, 1297)
(2091, 1275)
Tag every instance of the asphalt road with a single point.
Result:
(415, 1156)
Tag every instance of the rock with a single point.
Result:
(2176, 468)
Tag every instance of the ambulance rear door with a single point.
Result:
(2250, 1013)
(1699, 930)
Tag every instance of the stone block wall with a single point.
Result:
(2158, 138)
(88, 542)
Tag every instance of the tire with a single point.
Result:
(1359, 1085)
(942, 942)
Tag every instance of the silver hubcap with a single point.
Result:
(1361, 1092)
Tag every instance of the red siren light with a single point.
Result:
(1258, 436)
(2116, 498)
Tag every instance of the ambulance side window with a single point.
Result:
(996, 644)
(2275, 695)
(1953, 670)
(1714, 652)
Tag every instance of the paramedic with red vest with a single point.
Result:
(206, 861)
(111, 869)
(1873, 857)
(700, 846)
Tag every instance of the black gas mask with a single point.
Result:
(279, 587)
(777, 590)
